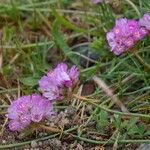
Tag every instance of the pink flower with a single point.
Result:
(49, 88)
(145, 21)
(61, 75)
(15, 125)
(97, 1)
(124, 35)
(74, 74)
(58, 80)
(27, 109)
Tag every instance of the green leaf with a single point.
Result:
(131, 123)
(89, 72)
(133, 130)
(66, 23)
(59, 40)
(147, 133)
(103, 118)
(29, 81)
(142, 129)
(117, 121)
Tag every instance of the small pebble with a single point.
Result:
(34, 144)
(48, 148)
(51, 124)
(40, 134)
(55, 143)
(27, 147)
(45, 133)
(3, 141)
(79, 147)
(70, 111)
(144, 147)
(40, 143)
(65, 121)
(89, 109)
(9, 137)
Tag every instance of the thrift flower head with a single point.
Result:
(97, 1)
(125, 35)
(28, 109)
(58, 80)
(145, 21)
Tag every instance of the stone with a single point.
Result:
(33, 144)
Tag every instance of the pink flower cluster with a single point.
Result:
(145, 21)
(27, 109)
(54, 84)
(35, 108)
(97, 1)
(126, 33)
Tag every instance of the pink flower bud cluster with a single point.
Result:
(126, 33)
(145, 21)
(58, 80)
(35, 108)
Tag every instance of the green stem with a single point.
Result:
(27, 142)
(141, 60)
(41, 15)
(110, 141)
(39, 139)
(31, 45)
(134, 7)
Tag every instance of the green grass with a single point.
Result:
(36, 35)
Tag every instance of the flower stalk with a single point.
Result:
(146, 65)
(49, 129)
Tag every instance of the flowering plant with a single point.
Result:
(35, 108)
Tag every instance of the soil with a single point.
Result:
(64, 119)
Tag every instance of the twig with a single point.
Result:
(90, 101)
(134, 7)
(3, 126)
(109, 92)
(50, 129)
(83, 56)
(141, 60)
